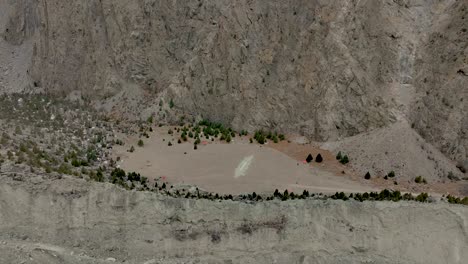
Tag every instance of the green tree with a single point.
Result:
(319, 158)
(141, 143)
(367, 176)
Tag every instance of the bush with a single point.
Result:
(132, 149)
(391, 174)
(319, 158)
(76, 163)
(422, 197)
(420, 179)
(367, 176)
(309, 158)
(452, 176)
(275, 139)
(140, 143)
(338, 156)
(259, 136)
(171, 104)
(344, 159)
(133, 176)
(99, 176)
(117, 176)
(169, 144)
(281, 137)
(170, 132)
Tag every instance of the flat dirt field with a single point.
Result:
(238, 167)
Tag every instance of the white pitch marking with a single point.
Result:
(243, 166)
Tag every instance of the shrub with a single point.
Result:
(169, 144)
(367, 176)
(195, 147)
(391, 174)
(133, 176)
(75, 163)
(275, 139)
(456, 200)
(99, 176)
(338, 156)
(228, 138)
(140, 143)
(251, 140)
(117, 176)
(259, 136)
(281, 137)
(344, 159)
(420, 179)
(422, 197)
(319, 158)
(452, 176)
(309, 158)
(171, 104)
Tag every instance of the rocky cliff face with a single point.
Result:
(71, 221)
(327, 69)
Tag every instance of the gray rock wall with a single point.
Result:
(326, 69)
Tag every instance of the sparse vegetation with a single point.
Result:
(420, 179)
(456, 200)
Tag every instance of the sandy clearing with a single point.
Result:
(238, 167)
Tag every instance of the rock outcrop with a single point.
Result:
(71, 221)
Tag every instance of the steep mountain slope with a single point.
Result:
(326, 69)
